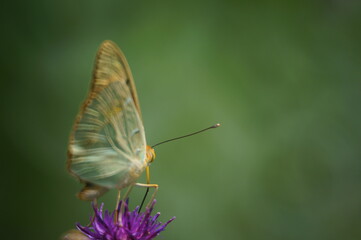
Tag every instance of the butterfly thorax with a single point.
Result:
(150, 155)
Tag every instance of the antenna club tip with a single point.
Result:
(216, 125)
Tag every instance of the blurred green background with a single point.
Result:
(282, 77)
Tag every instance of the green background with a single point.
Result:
(282, 77)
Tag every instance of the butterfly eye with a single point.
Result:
(150, 154)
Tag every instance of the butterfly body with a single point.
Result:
(107, 147)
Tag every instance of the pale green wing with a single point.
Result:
(111, 65)
(108, 135)
(108, 145)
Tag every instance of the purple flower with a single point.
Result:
(123, 224)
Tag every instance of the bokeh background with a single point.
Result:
(282, 77)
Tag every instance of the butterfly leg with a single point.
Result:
(147, 170)
(128, 192)
(95, 204)
(116, 205)
(147, 185)
(121, 210)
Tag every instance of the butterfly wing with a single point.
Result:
(111, 65)
(107, 146)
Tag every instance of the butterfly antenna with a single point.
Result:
(188, 135)
(169, 140)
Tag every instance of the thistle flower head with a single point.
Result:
(123, 224)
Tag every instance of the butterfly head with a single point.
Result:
(150, 155)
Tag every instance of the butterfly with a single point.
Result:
(107, 147)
